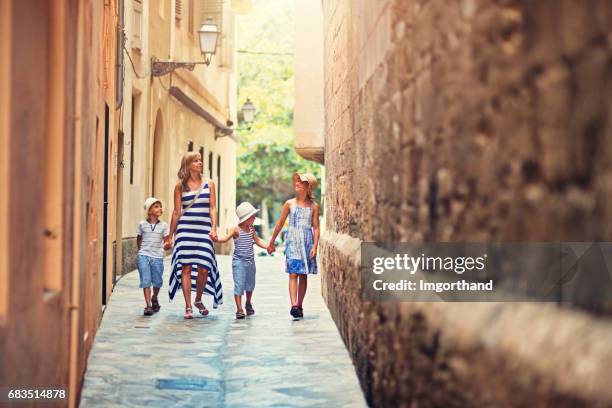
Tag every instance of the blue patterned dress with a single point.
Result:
(193, 246)
(299, 241)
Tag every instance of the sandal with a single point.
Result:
(249, 309)
(240, 315)
(155, 305)
(188, 313)
(203, 310)
(148, 311)
(295, 312)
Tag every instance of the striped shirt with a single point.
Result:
(152, 238)
(243, 245)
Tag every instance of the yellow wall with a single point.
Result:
(309, 117)
(58, 75)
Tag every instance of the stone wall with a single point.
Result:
(470, 120)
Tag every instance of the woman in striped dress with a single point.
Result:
(194, 225)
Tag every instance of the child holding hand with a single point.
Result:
(301, 240)
(243, 260)
(151, 235)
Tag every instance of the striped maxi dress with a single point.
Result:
(193, 246)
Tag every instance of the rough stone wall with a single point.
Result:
(469, 120)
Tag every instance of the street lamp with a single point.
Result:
(248, 111)
(208, 34)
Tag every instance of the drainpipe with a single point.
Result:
(120, 61)
(73, 373)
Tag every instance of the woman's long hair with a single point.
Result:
(183, 173)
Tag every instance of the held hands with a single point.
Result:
(313, 252)
(213, 235)
(167, 243)
(271, 248)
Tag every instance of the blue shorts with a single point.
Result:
(150, 270)
(243, 271)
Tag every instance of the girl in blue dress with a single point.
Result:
(301, 240)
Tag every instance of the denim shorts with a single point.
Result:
(243, 271)
(150, 270)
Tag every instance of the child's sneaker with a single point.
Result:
(295, 312)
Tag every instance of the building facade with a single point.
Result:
(469, 121)
(86, 134)
(166, 116)
(58, 141)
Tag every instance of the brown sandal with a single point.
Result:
(148, 311)
(203, 310)
(240, 315)
(249, 309)
(155, 305)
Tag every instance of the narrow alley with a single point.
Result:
(164, 360)
(356, 132)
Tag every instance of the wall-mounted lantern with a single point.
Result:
(208, 34)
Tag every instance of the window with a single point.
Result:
(210, 165)
(136, 41)
(190, 146)
(202, 156)
(132, 137)
(227, 53)
(226, 46)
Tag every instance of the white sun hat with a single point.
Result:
(149, 203)
(245, 211)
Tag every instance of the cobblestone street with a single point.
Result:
(265, 360)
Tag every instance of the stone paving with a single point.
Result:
(267, 360)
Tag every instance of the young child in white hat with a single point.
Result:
(150, 240)
(243, 261)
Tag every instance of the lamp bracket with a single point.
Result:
(160, 68)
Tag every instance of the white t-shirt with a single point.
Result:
(152, 238)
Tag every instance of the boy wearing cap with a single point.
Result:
(243, 261)
(151, 234)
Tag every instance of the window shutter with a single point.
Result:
(136, 42)
(226, 54)
(178, 9)
(191, 17)
(210, 165)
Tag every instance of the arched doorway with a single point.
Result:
(159, 168)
